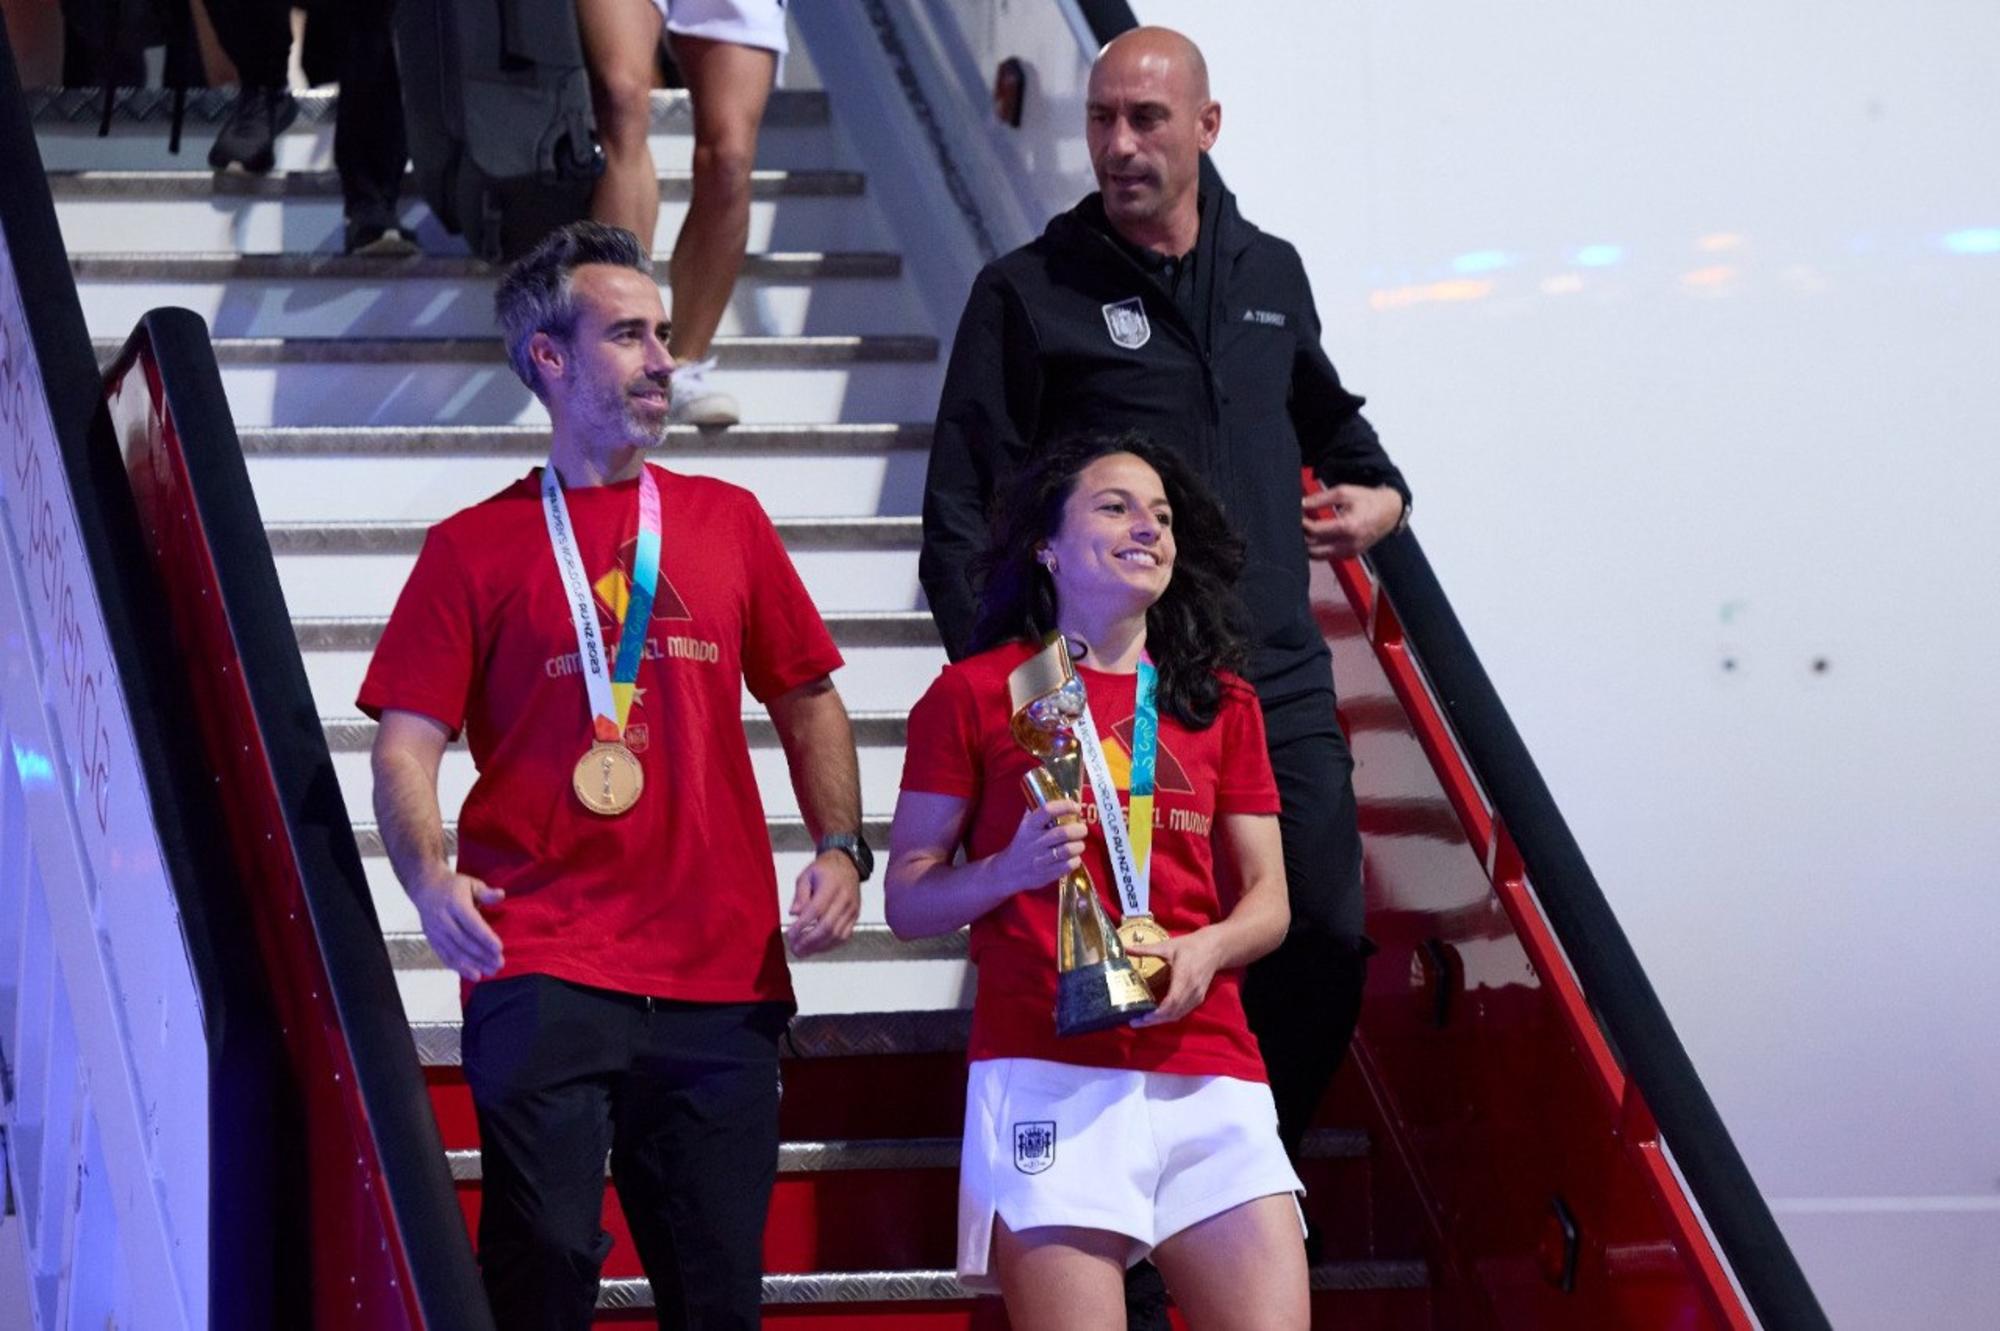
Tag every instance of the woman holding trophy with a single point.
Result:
(1116, 1102)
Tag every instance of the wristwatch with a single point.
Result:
(854, 846)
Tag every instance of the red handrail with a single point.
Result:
(1591, 1205)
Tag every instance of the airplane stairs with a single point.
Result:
(1484, 1160)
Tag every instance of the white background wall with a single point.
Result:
(1685, 323)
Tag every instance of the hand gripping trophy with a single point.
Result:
(1097, 986)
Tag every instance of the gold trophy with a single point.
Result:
(1096, 985)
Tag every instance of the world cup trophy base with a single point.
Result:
(1099, 996)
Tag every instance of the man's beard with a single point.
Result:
(617, 407)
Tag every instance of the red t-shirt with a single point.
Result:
(676, 898)
(960, 745)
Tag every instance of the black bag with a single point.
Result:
(497, 103)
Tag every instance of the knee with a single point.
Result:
(545, 1249)
(722, 167)
(624, 106)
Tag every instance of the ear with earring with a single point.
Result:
(1047, 560)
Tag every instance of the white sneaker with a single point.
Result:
(694, 402)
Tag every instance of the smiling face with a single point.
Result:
(1114, 549)
(608, 381)
(1147, 119)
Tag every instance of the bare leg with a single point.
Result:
(1255, 1246)
(729, 86)
(619, 38)
(1061, 1278)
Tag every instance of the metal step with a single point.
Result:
(250, 223)
(827, 1157)
(196, 266)
(345, 569)
(830, 1035)
(466, 381)
(865, 628)
(814, 439)
(870, 942)
(356, 734)
(300, 215)
(878, 749)
(730, 352)
(310, 184)
(424, 472)
(874, 679)
(787, 834)
(796, 131)
(51, 107)
(321, 293)
(378, 538)
(838, 1287)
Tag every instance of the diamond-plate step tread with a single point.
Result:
(817, 440)
(152, 184)
(356, 734)
(817, 1036)
(788, 835)
(827, 1157)
(944, 1287)
(385, 538)
(870, 942)
(852, 628)
(672, 109)
(110, 266)
(815, 350)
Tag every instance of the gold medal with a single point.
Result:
(608, 779)
(1145, 931)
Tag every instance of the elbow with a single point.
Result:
(896, 914)
(1277, 922)
(902, 909)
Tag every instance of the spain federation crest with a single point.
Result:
(1034, 1146)
(1126, 320)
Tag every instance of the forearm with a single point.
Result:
(818, 739)
(408, 818)
(926, 894)
(1255, 926)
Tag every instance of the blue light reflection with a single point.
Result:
(1482, 261)
(1976, 240)
(33, 766)
(1598, 256)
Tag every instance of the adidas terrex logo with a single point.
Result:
(1271, 317)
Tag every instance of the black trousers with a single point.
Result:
(683, 1098)
(369, 150)
(1304, 999)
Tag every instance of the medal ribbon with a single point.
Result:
(610, 689)
(1129, 837)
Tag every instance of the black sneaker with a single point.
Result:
(380, 239)
(248, 139)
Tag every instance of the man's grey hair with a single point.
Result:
(534, 296)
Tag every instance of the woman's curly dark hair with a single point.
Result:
(1191, 631)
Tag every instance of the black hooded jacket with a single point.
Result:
(1069, 333)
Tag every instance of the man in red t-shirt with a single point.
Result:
(614, 911)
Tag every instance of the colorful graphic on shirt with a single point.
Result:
(1169, 777)
(614, 591)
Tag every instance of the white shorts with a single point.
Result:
(759, 23)
(1143, 1154)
